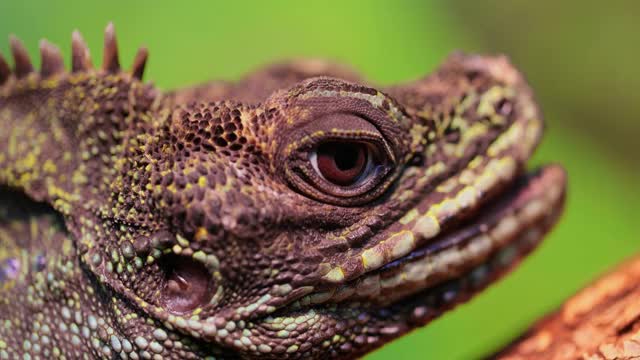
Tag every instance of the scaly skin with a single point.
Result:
(295, 214)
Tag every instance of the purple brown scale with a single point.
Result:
(319, 216)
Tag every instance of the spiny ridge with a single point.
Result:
(52, 63)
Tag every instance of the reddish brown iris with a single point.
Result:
(342, 163)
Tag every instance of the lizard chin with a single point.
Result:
(459, 263)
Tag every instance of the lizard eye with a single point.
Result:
(344, 163)
(340, 158)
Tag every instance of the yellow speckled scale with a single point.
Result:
(297, 213)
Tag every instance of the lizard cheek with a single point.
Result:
(187, 284)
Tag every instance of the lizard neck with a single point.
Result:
(70, 134)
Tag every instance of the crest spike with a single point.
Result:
(52, 63)
(110, 61)
(22, 63)
(80, 57)
(139, 62)
(5, 71)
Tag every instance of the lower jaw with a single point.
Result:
(418, 309)
(478, 253)
(422, 307)
(461, 263)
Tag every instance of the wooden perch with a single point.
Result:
(602, 321)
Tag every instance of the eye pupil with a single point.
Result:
(342, 163)
(347, 156)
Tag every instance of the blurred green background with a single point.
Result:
(581, 58)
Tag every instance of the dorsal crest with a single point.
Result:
(52, 64)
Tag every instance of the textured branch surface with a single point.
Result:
(600, 322)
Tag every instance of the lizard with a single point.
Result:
(299, 212)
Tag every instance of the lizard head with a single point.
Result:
(325, 219)
(332, 217)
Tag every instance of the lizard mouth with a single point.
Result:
(463, 260)
(466, 259)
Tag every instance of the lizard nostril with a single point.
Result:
(187, 283)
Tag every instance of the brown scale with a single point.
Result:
(198, 221)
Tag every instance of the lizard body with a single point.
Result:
(298, 213)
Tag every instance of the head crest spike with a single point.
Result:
(139, 62)
(5, 71)
(22, 63)
(110, 61)
(52, 63)
(80, 57)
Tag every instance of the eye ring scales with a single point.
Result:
(340, 158)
